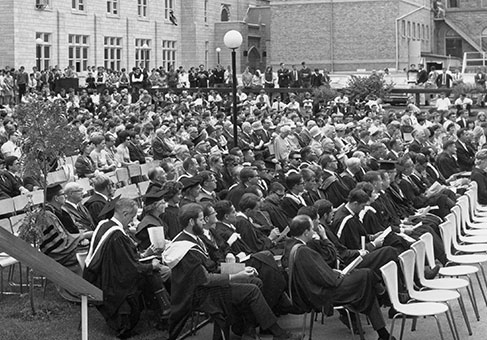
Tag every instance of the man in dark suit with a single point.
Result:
(295, 80)
(248, 176)
(78, 212)
(446, 163)
(444, 80)
(101, 196)
(422, 75)
(283, 77)
(10, 183)
(465, 151)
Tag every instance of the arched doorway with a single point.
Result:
(254, 61)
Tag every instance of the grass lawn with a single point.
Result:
(57, 319)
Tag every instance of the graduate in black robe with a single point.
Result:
(314, 285)
(113, 266)
(230, 299)
(271, 205)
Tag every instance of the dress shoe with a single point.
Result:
(430, 273)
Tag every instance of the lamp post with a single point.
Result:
(218, 50)
(233, 39)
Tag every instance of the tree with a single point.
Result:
(361, 87)
(47, 136)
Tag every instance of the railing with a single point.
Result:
(472, 60)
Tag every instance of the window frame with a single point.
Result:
(169, 53)
(78, 44)
(43, 62)
(142, 6)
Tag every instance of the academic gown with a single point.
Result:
(115, 269)
(334, 189)
(142, 233)
(171, 220)
(225, 232)
(276, 213)
(95, 205)
(253, 237)
(315, 285)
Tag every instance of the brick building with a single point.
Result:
(350, 34)
(124, 33)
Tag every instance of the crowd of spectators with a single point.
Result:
(354, 173)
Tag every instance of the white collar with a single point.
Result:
(102, 195)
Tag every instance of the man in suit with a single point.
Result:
(10, 183)
(480, 78)
(102, 195)
(248, 176)
(422, 75)
(447, 164)
(465, 151)
(283, 76)
(78, 212)
(444, 80)
(295, 79)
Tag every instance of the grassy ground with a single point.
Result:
(57, 319)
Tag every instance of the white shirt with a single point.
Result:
(443, 104)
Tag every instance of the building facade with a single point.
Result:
(350, 34)
(126, 33)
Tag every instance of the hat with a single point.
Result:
(10, 160)
(315, 131)
(257, 125)
(189, 182)
(340, 127)
(154, 196)
(109, 208)
(387, 165)
(52, 190)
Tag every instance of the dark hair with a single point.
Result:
(359, 196)
(292, 180)
(323, 206)
(371, 176)
(253, 189)
(299, 225)
(222, 208)
(308, 211)
(276, 186)
(187, 212)
(248, 201)
(171, 188)
(246, 173)
(365, 187)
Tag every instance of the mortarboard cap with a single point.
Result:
(387, 165)
(189, 182)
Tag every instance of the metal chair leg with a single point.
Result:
(311, 323)
(392, 326)
(465, 316)
(481, 288)
(439, 327)
(403, 322)
(453, 323)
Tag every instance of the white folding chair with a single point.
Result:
(461, 229)
(441, 283)
(417, 309)
(463, 259)
(407, 260)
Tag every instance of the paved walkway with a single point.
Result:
(333, 329)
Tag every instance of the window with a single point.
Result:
(427, 32)
(112, 7)
(225, 14)
(414, 30)
(423, 33)
(78, 52)
(43, 51)
(403, 27)
(142, 8)
(78, 5)
(483, 39)
(452, 3)
(169, 6)
(113, 53)
(142, 53)
(42, 4)
(168, 54)
(409, 29)
(206, 11)
(453, 47)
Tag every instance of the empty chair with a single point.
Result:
(415, 309)
(460, 225)
(465, 259)
(122, 175)
(20, 203)
(7, 206)
(143, 187)
(407, 260)
(130, 191)
(441, 283)
(16, 222)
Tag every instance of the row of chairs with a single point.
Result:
(464, 236)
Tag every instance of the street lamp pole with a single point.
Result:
(218, 50)
(234, 95)
(233, 39)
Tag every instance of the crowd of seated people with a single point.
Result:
(297, 175)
